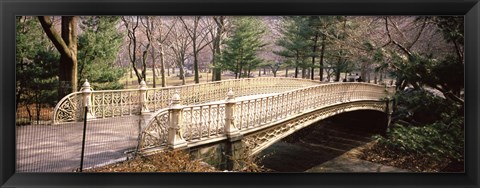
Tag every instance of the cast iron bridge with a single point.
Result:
(256, 111)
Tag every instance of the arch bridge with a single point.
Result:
(257, 111)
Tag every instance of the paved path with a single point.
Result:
(349, 162)
(57, 148)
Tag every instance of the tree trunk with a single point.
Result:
(182, 73)
(338, 70)
(144, 66)
(286, 72)
(195, 66)
(66, 44)
(296, 72)
(131, 74)
(363, 71)
(240, 70)
(153, 68)
(220, 21)
(337, 75)
(162, 67)
(322, 53)
(216, 52)
(67, 75)
(313, 56)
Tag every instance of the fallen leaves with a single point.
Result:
(414, 163)
(167, 161)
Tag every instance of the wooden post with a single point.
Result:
(230, 130)
(175, 138)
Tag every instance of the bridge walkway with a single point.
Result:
(59, 147)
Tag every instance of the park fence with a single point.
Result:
(46, 147)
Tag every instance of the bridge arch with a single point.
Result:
(258, 141)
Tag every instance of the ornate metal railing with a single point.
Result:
(216, 121)
(203, 121)
(215, 91)
(257, 112)
(156, 134)
(113, 103)
(69, 108)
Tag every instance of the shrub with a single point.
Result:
(438, 140)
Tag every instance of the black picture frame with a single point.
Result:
(10, 8)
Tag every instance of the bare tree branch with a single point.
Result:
(53, 35)
(407, 51)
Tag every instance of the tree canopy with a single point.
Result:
(98, 47)
(240, 54)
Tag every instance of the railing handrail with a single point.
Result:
(199, 84)
(154, 101)
(274, 95)
(378, 91)
(233, 79)
(261, 98)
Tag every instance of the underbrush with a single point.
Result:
(430, 148)
(166, 161)
(437, 140)
(422, 140)
(176, 161)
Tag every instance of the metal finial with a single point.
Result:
(86, 83)
(176, 97)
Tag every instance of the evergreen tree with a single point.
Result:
(341, 52)
(240, 53)
(36, 67)
(296, 42)
(98, 48)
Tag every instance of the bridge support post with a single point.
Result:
(143, 97)
(175, 138)
(388, 111)
(230, 130)
(234, 148)
(236, 155)
(87, 99)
